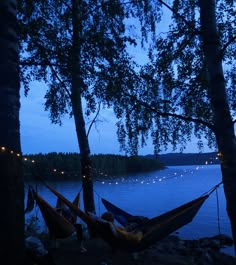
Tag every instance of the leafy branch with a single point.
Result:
(168, 114)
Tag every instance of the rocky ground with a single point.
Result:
(170, 251)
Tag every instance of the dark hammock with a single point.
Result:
(66, 211)
(151, 231)
(30, 201)
(121, 216)
(58, 225)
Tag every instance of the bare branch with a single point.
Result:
(94, 119)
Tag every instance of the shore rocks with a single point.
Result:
(169, 251)
(175, 251)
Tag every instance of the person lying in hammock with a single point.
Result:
(119, 231)
(134, 221)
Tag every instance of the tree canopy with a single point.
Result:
(171, 99)
(47, 49)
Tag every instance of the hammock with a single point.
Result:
(58, 225)
(146, 233)
(122, 217)
(30, 201)
(66, 211)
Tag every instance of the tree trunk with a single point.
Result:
(223, 124)
(11, 181)
(86, 165)
(77, 84)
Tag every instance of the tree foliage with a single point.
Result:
(171, 98)
(46, 38)
(188, 88)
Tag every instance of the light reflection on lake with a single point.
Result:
(153, 193)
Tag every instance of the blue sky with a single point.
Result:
(39, 135)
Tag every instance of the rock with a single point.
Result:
(170, 251)
(224, 240)
(37, 252)
(175, 251)
(36, 246)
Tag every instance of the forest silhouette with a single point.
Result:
(66, 166)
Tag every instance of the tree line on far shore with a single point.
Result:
(66, 166)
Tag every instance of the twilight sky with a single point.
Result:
(38, 135)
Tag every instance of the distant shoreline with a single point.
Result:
(181, 159)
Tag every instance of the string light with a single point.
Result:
(25, 159)
(98, 172)
(4, 149)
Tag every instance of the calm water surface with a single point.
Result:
(153, 193)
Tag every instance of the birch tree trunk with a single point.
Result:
(223, 124)
(77, 84)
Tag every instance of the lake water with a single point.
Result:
(153, 193)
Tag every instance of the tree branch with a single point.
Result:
(226, 46)
(59, 79)
(167, 114)
(183, 46)
(188, 23)
(27, 63)
(94, 119)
